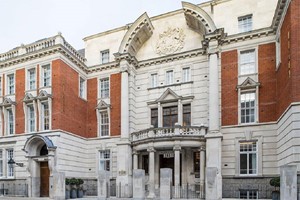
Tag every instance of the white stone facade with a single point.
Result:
(170, 65)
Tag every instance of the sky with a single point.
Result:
(26, 21)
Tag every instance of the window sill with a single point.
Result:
(174, 84)
(246, 75)
(7, 178)
(246, 176)
(82, 98)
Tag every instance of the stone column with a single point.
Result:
(177, 171)
(135, 159)
(202, 172)
(125, 99)
(151, 194)
(288, 182)
(58, 191)
(213, 180)
(124, 156)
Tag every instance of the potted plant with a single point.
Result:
(275, 182)
(80, 188)
(68, 188)
(73, 183)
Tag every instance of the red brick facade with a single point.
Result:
(69, 111)
(115, 101)
(20, 88)
(267, 79)
(288, 74)
(91, 107)
(229, 81)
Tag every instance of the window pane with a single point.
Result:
(153, 80)
(169, 77)
(31, 75)
(248, 107)
(154, 117)
(104, 160)
(104, 88)
(105, 56)
(186, 74)
(247, 62)
(46, 75)
(245, 23)
(243, 163)
(104, 123)
(170, 116)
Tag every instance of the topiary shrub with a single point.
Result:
(275, 182)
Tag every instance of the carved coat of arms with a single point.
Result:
(170, 41)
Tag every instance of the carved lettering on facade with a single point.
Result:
(170, 41)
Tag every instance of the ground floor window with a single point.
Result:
(1, 163)
(104, 163)
(248, 194)
(248, 158)
(10, 168)
(145, 163)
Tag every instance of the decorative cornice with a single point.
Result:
(7, 102)
(171, 58)
(102, 67)
(248, 35)
(279, 13)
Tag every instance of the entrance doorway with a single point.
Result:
(45, 173)
(167, 161)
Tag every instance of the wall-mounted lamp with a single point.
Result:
(11, 162)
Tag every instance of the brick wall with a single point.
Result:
(229, 81)
(91, 108)
(19, 89)
(115, 101)
(69, 111)
(267, 79)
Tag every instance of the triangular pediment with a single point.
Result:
(7, 102)
(28, 97)
(248, 83)
(102, 105)
(43, 95)
(168, 95)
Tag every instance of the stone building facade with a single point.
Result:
(210, 91)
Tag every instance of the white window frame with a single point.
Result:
(186, 77)
(255, 63)
(102, 94)
(28, 79)
(8, 122)
(10, 85)
(100, 113)
(104, 159)
(245, 23)
(248, 108)
(153, 80)
(104, 59)
(248, 158)
(10, 168)
(82, 87)
(42, 75)
(169, 77)
(43, 103)
(29, 119)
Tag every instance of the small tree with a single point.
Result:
(275, 182)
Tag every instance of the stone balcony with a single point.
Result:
(169, 132)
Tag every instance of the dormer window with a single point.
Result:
(245, 23)
(104, 56)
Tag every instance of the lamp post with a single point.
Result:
(11, 163)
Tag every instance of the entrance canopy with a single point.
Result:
(35, 143)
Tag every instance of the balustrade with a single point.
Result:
(39, 45)
(183, 131)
